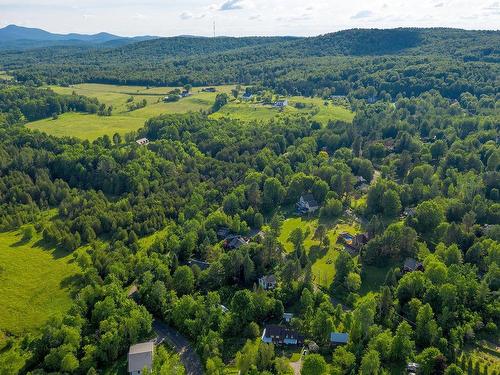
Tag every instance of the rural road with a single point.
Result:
(181, 345)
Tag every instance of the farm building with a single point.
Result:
(247, 96)
(279, 335)
(140, 356)
(208, 89)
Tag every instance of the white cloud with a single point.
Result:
(362, 14)
(186, 15)
(232, 5)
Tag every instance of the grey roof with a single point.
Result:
(269, 279)
(140, 356)
(412, 264)
(309, 199)
(339, 338)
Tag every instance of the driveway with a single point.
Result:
(181, 345)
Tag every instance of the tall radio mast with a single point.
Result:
(214, 29)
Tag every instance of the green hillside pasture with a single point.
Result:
(92, 126)
(35, 283)
(323, 262)
(314, 109)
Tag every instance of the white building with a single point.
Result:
(140, 356)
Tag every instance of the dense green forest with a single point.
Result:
(424, 139)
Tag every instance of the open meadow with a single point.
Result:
(92, 126)
(122, 120)
(35, 283)
(323, 260)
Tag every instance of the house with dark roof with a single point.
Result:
(409, 212)
(208, 89)
(279, 335)
(223, 232)
(268, 282)
(140, 356)
(201, 264)
(307, 204)
(412, 265)
(338, 338)
(247, 96)
(234, 242)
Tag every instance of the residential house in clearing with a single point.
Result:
(247, 96)
(267, 282)
(412, 265)
(208, 89)
(338, 338)
(185, 94)
(142, 142)
(281, 104)
(307, 204)
(140, 356)
(409, 212)
(279, 335)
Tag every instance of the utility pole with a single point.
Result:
(214, 29)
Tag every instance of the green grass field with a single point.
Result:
(323, 260)
(315, 109)
(92, 126)
(35, 283)
(5, 76)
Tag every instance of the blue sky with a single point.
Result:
(245, 17)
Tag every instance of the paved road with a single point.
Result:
(181, 345)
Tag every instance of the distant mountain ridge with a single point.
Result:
(20, 37)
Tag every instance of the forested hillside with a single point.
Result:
(392, 61)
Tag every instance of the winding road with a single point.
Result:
(181, 345)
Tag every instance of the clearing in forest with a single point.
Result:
(35, 283)
(122, 120)
(323, 260)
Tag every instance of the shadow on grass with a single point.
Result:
(72, 283)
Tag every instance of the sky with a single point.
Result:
(245, 17)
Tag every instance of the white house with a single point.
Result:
(281, 103)
(142, 142)
(140, 356)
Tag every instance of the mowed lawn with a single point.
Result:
(35, 283)
(315, 109)
(323, 260)
(92, 126)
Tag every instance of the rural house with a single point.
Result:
(140, 356)
(338, 338)
(411, 265)
(307, 204)
(142, 142)
(279, 335)
(201, 264)
(247, 96)
(280, 104)
(234, 242)
(267, 282)
(208, 89)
